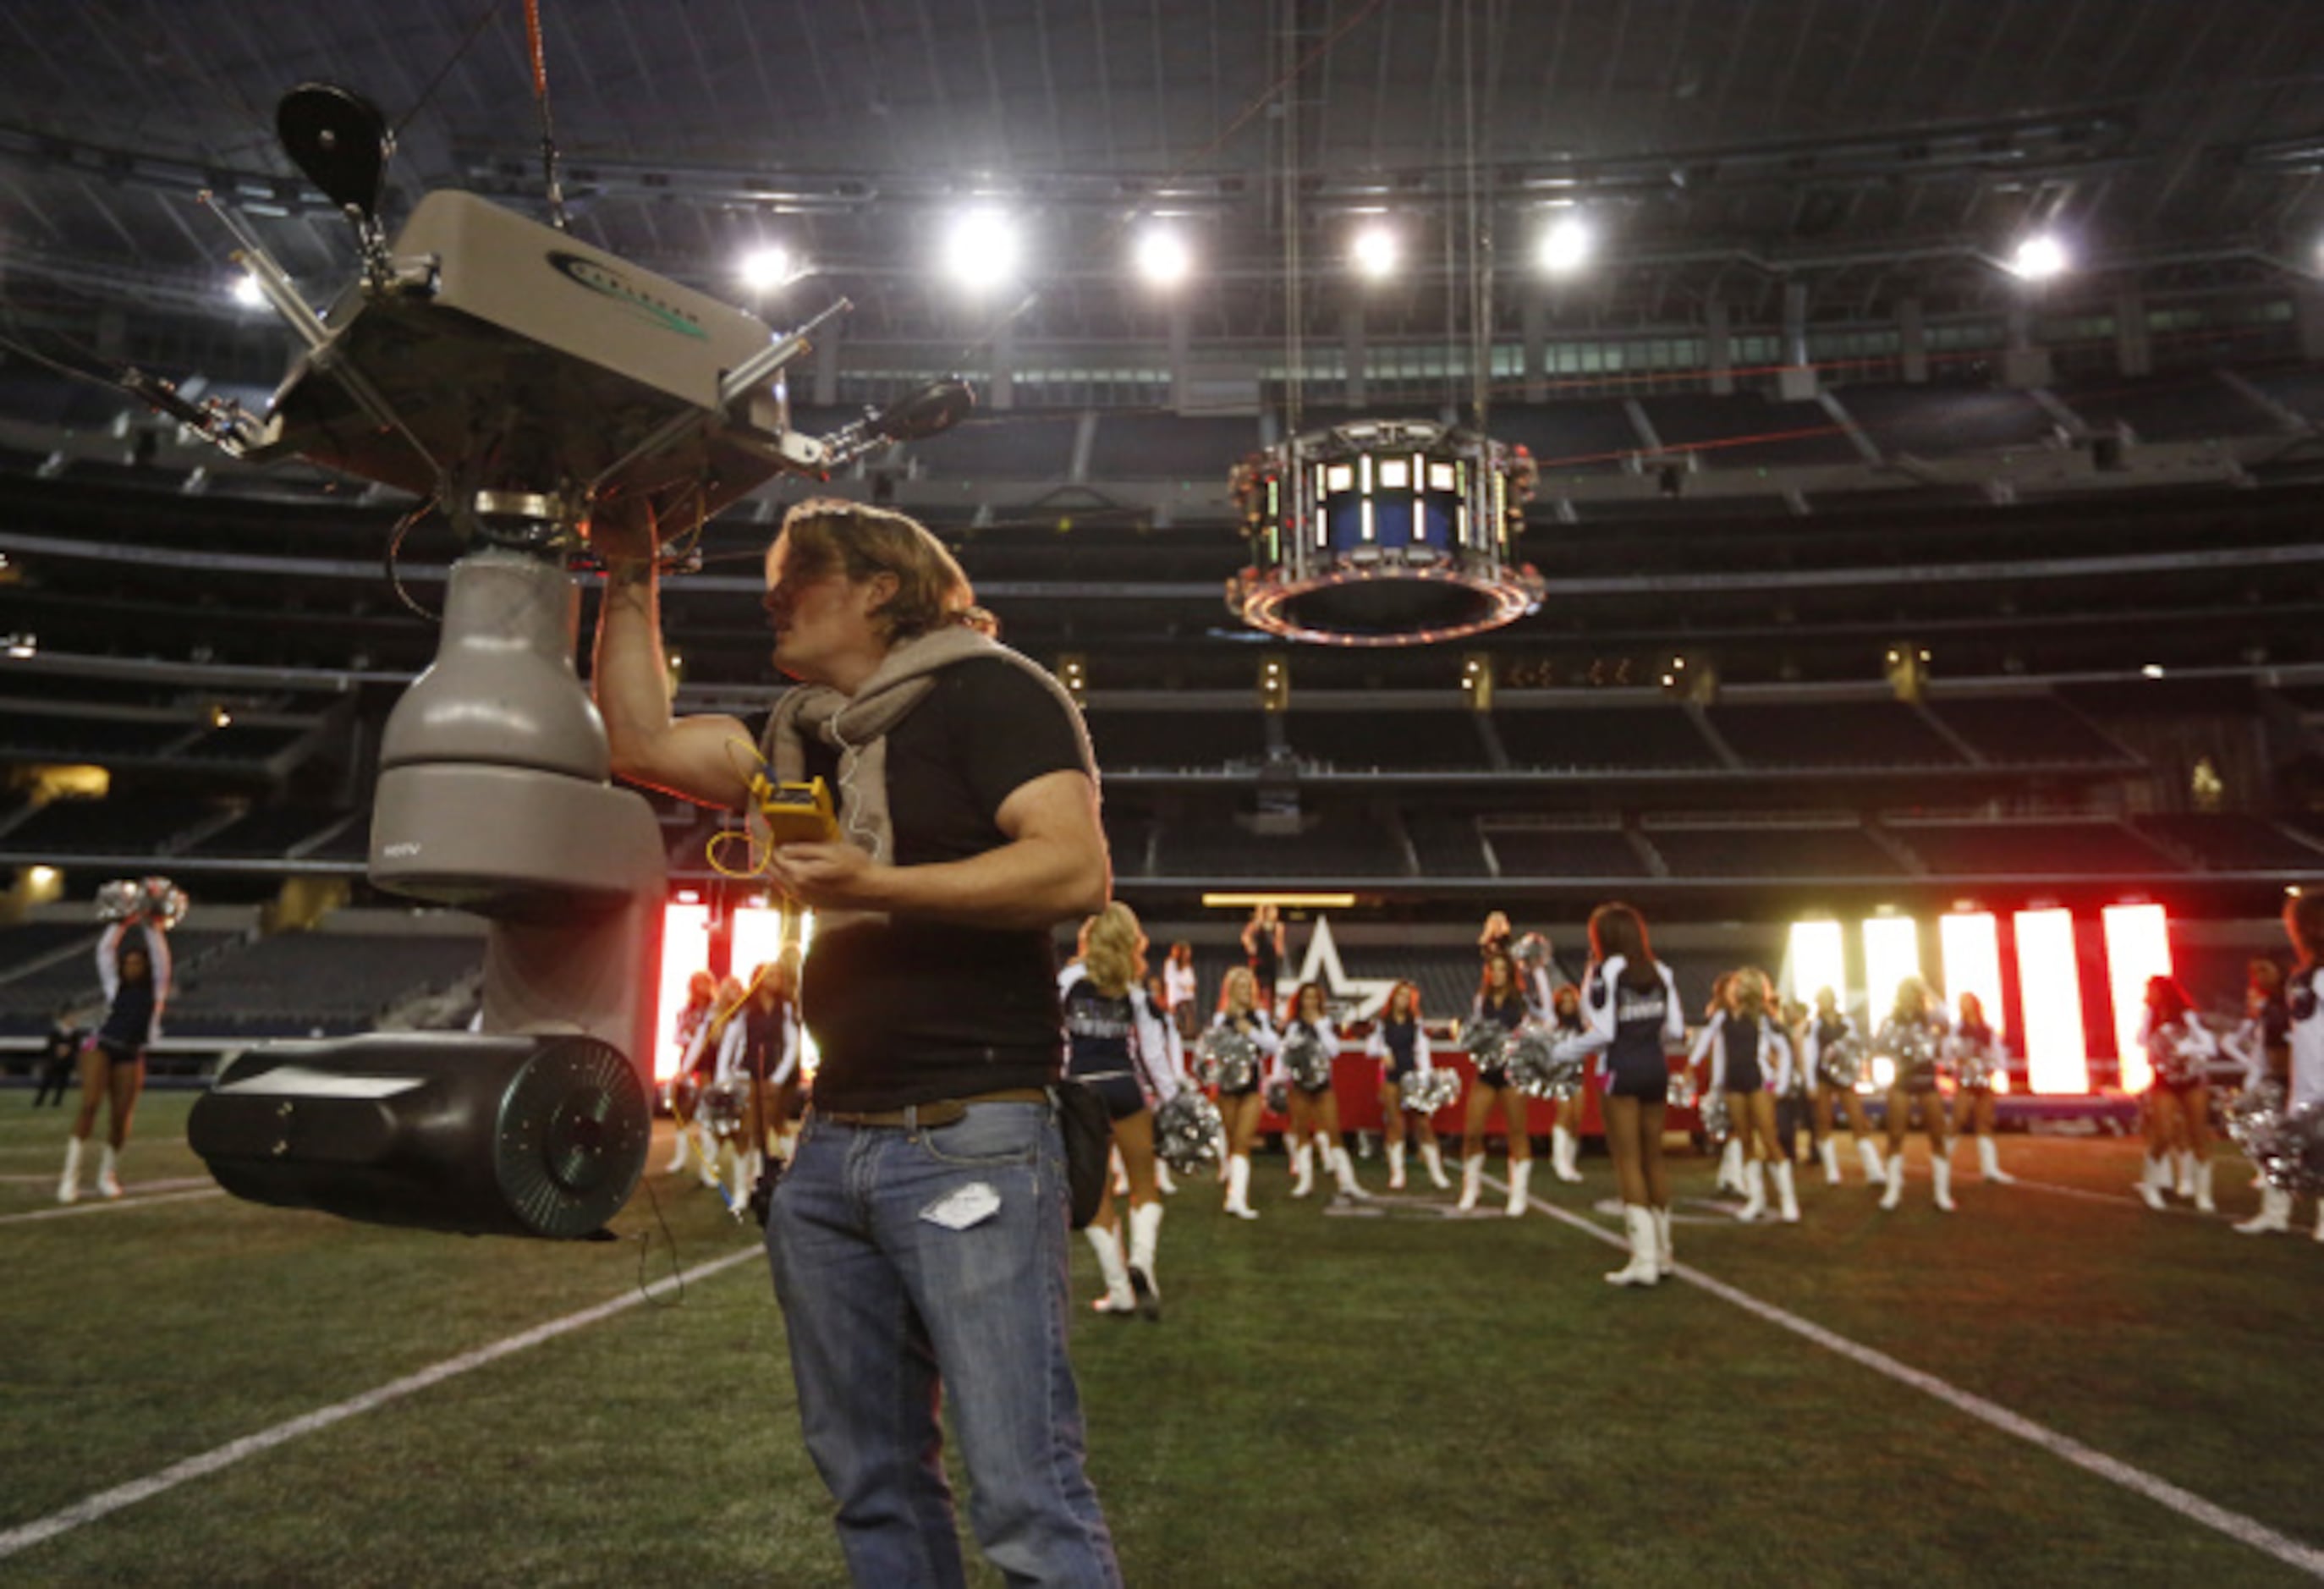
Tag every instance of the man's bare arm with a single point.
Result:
(1053, 868)
(707, 758)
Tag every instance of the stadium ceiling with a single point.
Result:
(1869, 152)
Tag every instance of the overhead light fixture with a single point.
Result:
(981, 251)
(1162, 257)
(20, 646)
(2151, 670)
(1565, 245)
(2039, 257)
(1374, 252)
(1281, 901)
(245, 291)
(767, 269)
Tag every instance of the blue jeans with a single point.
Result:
(901, 1280)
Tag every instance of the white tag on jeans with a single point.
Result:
(972, 1204)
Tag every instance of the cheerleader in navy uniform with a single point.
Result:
(2181, 1049)
(1400, 1041)
(1262, 948)
(1729, 1178)
(1564, 1018)
(1751, 1063)
(699, 1068)
(1316, 1112)
(1499, 1003)
(701, 998)
(1913, 1037)
(2303, 1001)
(135, 976)
(1630, 1006)
(1122, 1044)
(1830, 1026)
(1975, 1055)
(2261, 1046)
(1238, 1012)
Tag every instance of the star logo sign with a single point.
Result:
(1347, 998)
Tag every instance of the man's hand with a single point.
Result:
(835, 875)
(623, 532)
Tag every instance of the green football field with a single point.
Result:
(2054, 1385)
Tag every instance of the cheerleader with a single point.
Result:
(135, 977)
(2303, 1011)
(1975, 1054)
(1262, 948)
(1630, 1006)
(1499, 1003)
(1400, 1041)
(758, 1055)
(1120, 1044)
(1832, 1026)
(2259, 1046)
(1729, 1178)
(1238, 1012)
(701, 995)
(1178, 991)
(1316, 1112)
(2179, 1099)
(1496, 937)
(1751, 1063)
(700, 1067)
(1562, 1013)
(1911, 1038)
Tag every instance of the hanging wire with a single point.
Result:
(427, 94)
(547, 126)
(1480, 229)
(1295, 310)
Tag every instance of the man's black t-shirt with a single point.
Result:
(916, 1011)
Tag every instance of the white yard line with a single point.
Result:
(2244, 1530)
(105, 1502)
(91, 1203)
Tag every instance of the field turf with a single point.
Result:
(1333, 1398)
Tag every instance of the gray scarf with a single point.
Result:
(857, 727)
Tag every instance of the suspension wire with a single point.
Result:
(484, 14)
(1479, 227)
(1294, 299)
(547, 126)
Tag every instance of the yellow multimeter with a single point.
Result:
(794, 813)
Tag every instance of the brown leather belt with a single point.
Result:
(928, 1116)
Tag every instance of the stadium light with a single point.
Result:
(1565, 246)
(981, 250)
(1971, 942)
(1817, 959)
(685, 950)
(1162, 257)
(1892, 952)
(2050, 992)
(245, 290)
(2138, 946)
(1251, 902)
(767, 269)
(24, 646)
(1375, 251)
(2039, 258)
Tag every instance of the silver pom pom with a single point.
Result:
(2255, 1116)
(156, 899)
(721, 1106)
(1487, 1043)
(1426, 1092)
(1975, 1067)
(1534, 1067)
(1305, 1058)
(1715, 1123)
(1278, 1096)
(1227, 1059)
(1681, 1091)
(2178, 1058)
(1189, 1132)
(1840, 1064)
(2286, 1145)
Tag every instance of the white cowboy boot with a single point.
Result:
(1163, 1181)
(1565, 1155)
(1396, 1167)
(1988, 1162)
(1472, 1175)
(1303, 1170)
(1730, 1167)
(2203, 1203)
(68, 1183)
(1894, 1180)
(1343, 1171)
(2274, 1213)
(1828, 1151)
(1433, 1157)
(2153, 1177)
(108, 1172)
(1787, 1196)
(679, 1142)
(1872, 1171)
(705, 1151)
(1643, 1269)
(1238, 1186)
(1941, 1171)
(1755, 1192)
(1520, 1179)
(1145, 1234)
(1664, 1262)
(1118, 1298)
